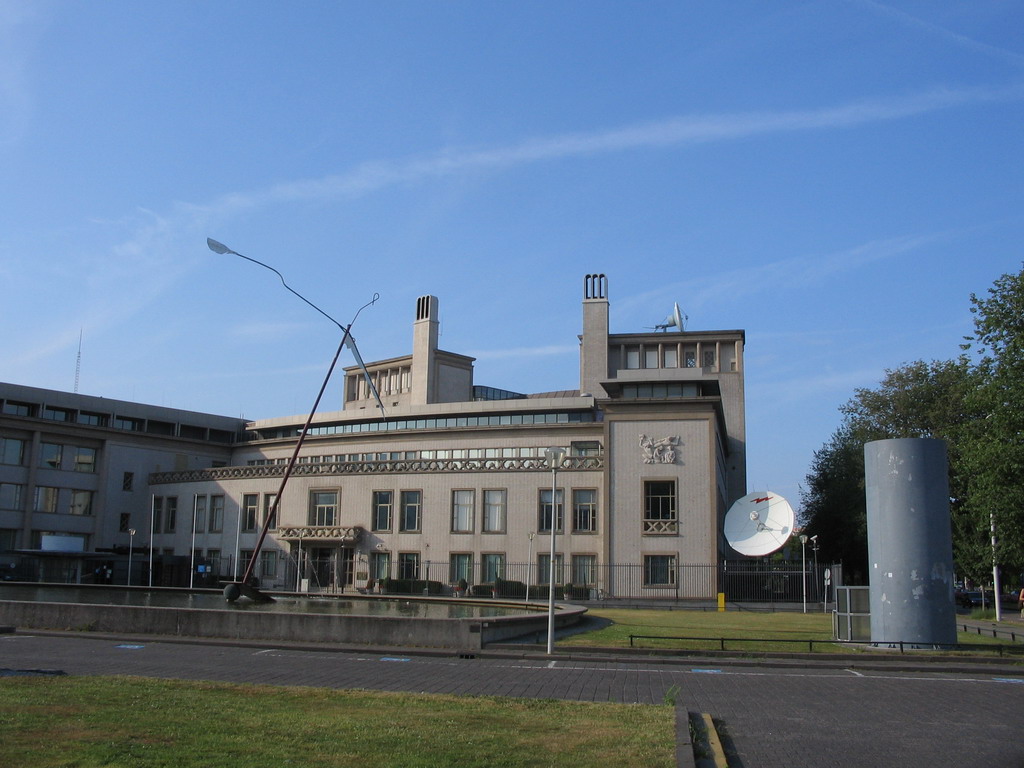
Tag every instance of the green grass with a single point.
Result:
(111, 721)
(744, 627)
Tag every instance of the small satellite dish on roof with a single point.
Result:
(675, 320)
(759, 523)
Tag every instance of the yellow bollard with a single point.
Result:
(721, 601)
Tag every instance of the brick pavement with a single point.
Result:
(792, 717)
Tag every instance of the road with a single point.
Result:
(776, 716)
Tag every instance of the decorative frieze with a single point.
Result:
(661, 451)
(334, 533)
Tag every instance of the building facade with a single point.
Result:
(448, 484)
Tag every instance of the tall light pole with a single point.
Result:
(131, 548)
(554, 458)
(232, 591)
(996, 587)
(814, 549)
(803, 566)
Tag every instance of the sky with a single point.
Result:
(836, 179)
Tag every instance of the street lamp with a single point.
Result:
(815, 572)
(232, 591)
(803, 566)
(554, 458)
(131, 548)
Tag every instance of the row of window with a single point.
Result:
(580, 448)
(75, 458)
(67, 501)
(127, 423)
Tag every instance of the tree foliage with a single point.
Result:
(976, 404)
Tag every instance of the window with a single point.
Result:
(17, 409)
(671, 359)
(50, 455)
(709, 358)
(544, 569)
(199, 514)
(268, 564)
(323, 508)
(250, 506)
(460, 567)
(127, 481)
(585, 448)
(85, 459)
(409, 516)
(691, 358)
(632, 357)
(170, 514)
(584, 510)
(651, 357)
(126, 423)
(56, 414)
(659, 570)
(408, 565)
(462, 511)
(380, 565)
(10, 496)
(46, 499)
(584, 570)
(544, 522)
(124, 523)
(268, 505)
(383, 501)
(213, 561)
(92, 419)
(12, 450)
(216, 514)
(495, 502)
(492, 568)
(81, 503)
(660, 507)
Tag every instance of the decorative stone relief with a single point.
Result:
(661, 451)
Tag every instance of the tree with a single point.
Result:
(993, 446)
(918, 399)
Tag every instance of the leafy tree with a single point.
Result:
(993, 446)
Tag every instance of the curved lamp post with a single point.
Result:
(131, 548)
(233, 591)
(554, 458)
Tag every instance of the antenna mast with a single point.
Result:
(78, 360)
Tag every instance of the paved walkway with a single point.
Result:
(777, 713)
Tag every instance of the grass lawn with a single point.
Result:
(746, 627)
(103, 721)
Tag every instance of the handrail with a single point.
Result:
(902, 644)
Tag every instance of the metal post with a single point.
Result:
(803, 567)
(192, 568)
(554, 457)
(131, 548)
(995, 569)
(529, 568)
(152, 523)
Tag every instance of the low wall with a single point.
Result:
(456, 634)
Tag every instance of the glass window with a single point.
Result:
(584, 570)
(632, 356)
(199, 514)
(124, 522)
(92, 419)
(323, 508)
(408, 565)
(383, 501)
(460, 567)
(56, 414)
(494, 510)
(10, 496)
(17, 409)
(659, 570)
(268, 564)
(216, 514)
(85, 459)
(409, 519)
(651, 357)
(380, 565)
(250, 506)
(46, 499)
(709, 358)
(544, 522)
(691, 358)
(50, 455)
(660, 500)
(671, 358)
(492, 568)
(584, 510)
(81, 503)
(268, 505)
(213, 560)
(127, 481)
(544, 569)
(462, 511)
(170, 514)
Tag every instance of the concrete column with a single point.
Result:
(910, 550)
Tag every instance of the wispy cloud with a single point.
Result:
(676, 131)
(935, 30)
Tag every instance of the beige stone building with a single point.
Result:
(450, 481)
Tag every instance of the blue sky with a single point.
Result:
(833, 178)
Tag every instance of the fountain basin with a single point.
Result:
(462, 625)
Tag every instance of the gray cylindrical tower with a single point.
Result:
(910, 544)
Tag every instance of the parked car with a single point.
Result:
(972, 599)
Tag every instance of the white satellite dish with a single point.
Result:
(759, 523)
(675, 320)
